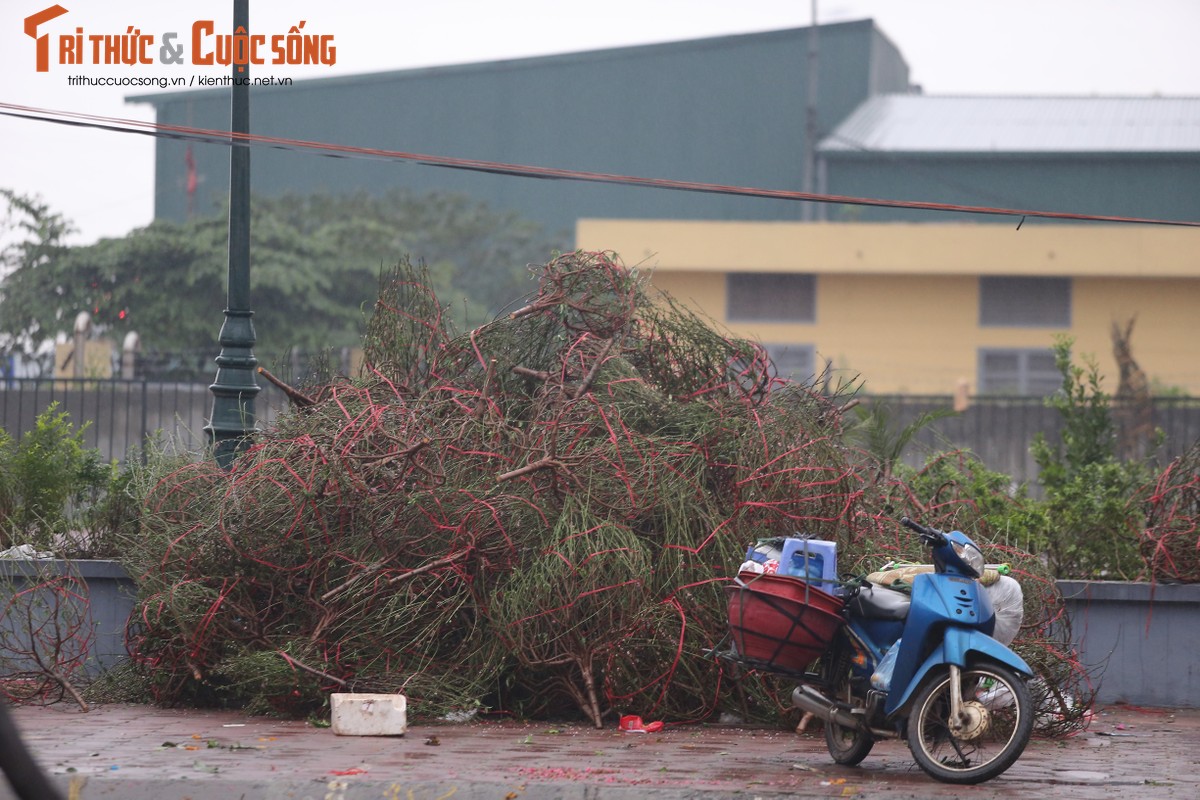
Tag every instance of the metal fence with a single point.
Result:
(121, 414)
(1000, 430)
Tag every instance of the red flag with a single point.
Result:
(190, 161)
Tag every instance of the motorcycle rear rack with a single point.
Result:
(730, 656)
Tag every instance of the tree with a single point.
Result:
(315, 267)
(31, 240)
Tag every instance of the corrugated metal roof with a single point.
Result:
(952, 124)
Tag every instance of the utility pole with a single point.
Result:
(233, 416)
(808, 177)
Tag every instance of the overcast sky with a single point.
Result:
(103, 182)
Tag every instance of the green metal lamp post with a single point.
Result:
(233, 415)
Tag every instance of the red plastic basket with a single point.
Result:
(781, 622)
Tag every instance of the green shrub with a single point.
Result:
(1092, 517)
(48, 480)
(1092, 522)
(966, 495)
(114, 517)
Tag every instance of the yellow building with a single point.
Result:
(922, 308)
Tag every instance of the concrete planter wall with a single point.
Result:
(1140, 642)
(110, 594)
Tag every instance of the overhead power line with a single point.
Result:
(212, 136)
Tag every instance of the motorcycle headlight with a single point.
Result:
(971, 556)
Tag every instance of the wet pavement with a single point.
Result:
(133, 752)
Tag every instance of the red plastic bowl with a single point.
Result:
(780, 621)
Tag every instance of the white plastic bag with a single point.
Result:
(24, 552)
(994, 695)
(1008, 601)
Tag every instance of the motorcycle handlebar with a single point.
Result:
(931, 536)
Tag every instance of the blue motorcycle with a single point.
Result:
(922, 667)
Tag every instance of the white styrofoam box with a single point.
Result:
(368, 714)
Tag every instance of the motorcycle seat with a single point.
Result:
(880, 602)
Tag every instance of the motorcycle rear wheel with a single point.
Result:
(999, 720)
(847, 746)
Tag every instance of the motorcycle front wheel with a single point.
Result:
(997, 720)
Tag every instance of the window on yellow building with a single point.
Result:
(1018, 372)
(1022, 302)
(770, 297)
(792, 361)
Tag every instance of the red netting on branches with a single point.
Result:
(545, 507)
(1170, 543)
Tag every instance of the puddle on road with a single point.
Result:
(1080, 775)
